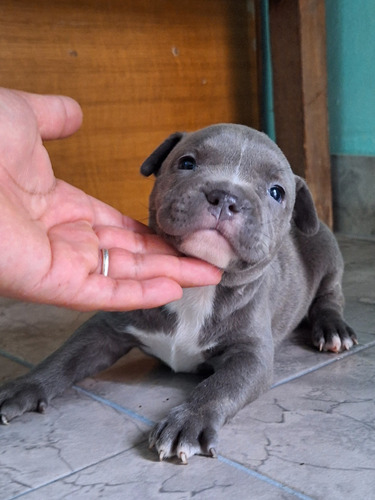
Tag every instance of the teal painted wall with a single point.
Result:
(351, 76)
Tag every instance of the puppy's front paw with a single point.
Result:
(331, 333)
(184, 433)
(20, 396)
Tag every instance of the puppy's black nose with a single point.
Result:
(223, 205)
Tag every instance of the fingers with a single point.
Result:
(135, 242)
(186, 271)
(144, 274)
(107, 294)
(57, 116)
(142, 256)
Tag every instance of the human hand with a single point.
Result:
(52, 232)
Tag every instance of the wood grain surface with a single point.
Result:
(140, 70)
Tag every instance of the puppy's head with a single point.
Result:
(226, 194)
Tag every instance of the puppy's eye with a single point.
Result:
(277, 193)
(187, 163)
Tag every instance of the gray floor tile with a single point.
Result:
(75, 432)
(32, 331)
(315, 434)
(359, 279)
(9, 369)
(130, 476)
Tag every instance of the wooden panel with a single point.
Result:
(140, 69)
(300, 93)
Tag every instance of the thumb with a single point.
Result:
(57, 116)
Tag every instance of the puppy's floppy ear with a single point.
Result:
(153, 163)
(304, 214)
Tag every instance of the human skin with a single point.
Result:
(52, 232)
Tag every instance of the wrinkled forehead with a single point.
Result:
(237, 151)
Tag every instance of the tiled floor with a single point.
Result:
(311, 436)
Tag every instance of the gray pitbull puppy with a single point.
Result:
(225, 194)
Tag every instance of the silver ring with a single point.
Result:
(105, 262)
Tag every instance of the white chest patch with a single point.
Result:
(180, 350)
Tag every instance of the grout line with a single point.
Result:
(231, 463)
(354, 237)
(65, 476)
(224, 460)
(263, 478)
(16, 359)
(314, 368)
(136, 416)
(115, 406)
(150, 423)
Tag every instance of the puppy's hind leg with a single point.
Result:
(330, 332)
(93, 347)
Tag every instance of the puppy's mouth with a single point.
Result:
(209, 245)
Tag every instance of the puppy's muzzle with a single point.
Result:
(223, 205)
